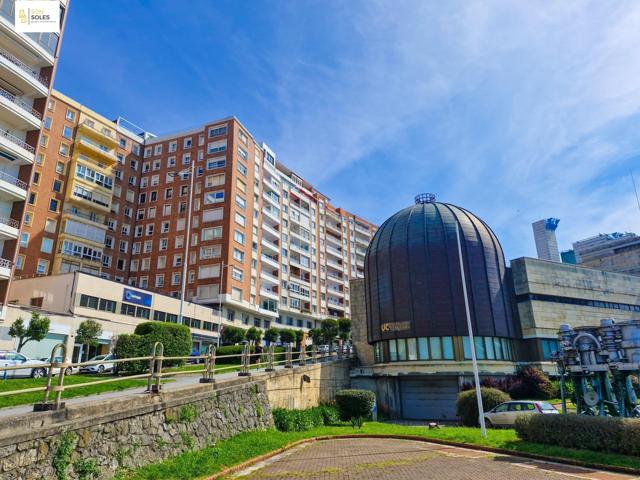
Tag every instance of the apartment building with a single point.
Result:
(27, 66)
(262, 242)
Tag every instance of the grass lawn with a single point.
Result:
(201, 463)
(34, 397)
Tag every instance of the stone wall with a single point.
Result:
(139, 429)
(364, 351)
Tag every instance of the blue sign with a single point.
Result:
(139, 298)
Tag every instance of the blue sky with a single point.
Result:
(515, 110)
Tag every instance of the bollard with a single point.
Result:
(302, 360)
(270, 355)
(245, 362)
(57, 404)
(209, 366)
(288, 363)
(155, 369)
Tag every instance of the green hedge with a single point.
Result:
(603, 434)
(467, 404)
(287, 420)
(175, 338)
(237, 350)
(355, 403)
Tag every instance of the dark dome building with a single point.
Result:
(414, 290)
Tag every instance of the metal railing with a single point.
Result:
(5, 177)
(17, 141)
(44, 81)
(25, 106)
(4, 263)
(157, 371)
(11, 222)
(105, 131)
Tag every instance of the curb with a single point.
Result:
(513, 453)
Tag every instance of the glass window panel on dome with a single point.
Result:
(402, 350)
(435, 348)
(497, 346)
(447, 348)
(506, 350)
(491, 354)
(393, 351)
(481, 354)
(412, 353)
(466, 348)
(423, 349)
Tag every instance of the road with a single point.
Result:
(391, 459)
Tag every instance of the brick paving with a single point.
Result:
(391, 459)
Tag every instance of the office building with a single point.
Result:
(27, 67)
(544, 233)
(613, 252)
(275, 247)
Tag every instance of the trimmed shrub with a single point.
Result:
(610, 434)
(534, 385)
(287, 420)
(467, 404)
(130, 346)
(330, 413)
(355, 403)
(237, 350)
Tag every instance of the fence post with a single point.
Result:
(302, 359)
(270, 355)
(245, 361)
(314, 354)
(209, 365)
(289, 357)
(154, 384)
(57, 404)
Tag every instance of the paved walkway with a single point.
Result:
(390, 459)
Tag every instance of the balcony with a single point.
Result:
(333, 227)
(18, 113)
(335, 241)
(271, 214)
(363, 230)
(335, 291)
(22, 75)
(268, 230)
(300, 249)
(97, 151)
(268, 278)
(11, 188)
(9, 228)
(15, 150)
(271, 185)
(334, 251)
(272, 247)
(5, 268)
(41, 44)
(105, 135)
(272, 261)
(333, 264)
(300, 279)
(269, 293)
(86, 217)
(272, 198)
(296, 263)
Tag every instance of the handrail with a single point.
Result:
(24, 67)
(21, 143)
(12, 222)
(106, 132)
(4, 263)
(157, 371)
(13, 180)
(25, 106)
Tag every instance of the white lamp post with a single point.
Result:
(222, 267)
(474, 360)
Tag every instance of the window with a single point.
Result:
(242, 169)
(241, 202)
(213, 163)
(50, 225)
(173, 146)
(187, 143)
(211, 233)
(19, 262)
(214, 197)
(47, 245)
(240, 220)
(70, 115)
(43, 267)
(47, 122)
(57, 186)
(238, 237)
(24, 239)
(238, 255)
(53, 205)
(215, 147)
(33, 198)
(208, 271)
(212, 215)
(214, 180)
(217, 130)
(236, 274)
(60, 168)
(67, 132)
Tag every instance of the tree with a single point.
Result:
(299, 336)
(271, 335)
(87, 334)
(287, 335)
(344, 328)
(232, 335)
(253, 334)
(329, 328)
(316, 336)
(38, 329)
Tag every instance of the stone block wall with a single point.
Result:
(364, 351)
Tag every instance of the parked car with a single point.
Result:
(323, 348)
(32, 368)
(67, 371)
(106, 364)
(506, 413)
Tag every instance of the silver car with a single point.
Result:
(32, 368)
(505, 414)
(106, 364)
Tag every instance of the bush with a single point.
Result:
(297, 420)
(534, 385)
(611, 434)
(175, 338)
(330, 413)
(355, 403)
(467, 404)
(237, 350)
(233, 335)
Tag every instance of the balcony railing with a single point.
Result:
(4, 263)
(86, 216)
(17, 141)
(12, 222)
(5, 177)
(44, 81)
(25, 106)
(106, 132)
(44, 39)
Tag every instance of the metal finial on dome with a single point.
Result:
(425, 198)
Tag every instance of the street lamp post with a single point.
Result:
(185, 261)
(472, 345)
(222, 267)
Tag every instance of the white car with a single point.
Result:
(505, 414)
(32, 368)
(105, 365)
(67, 371)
